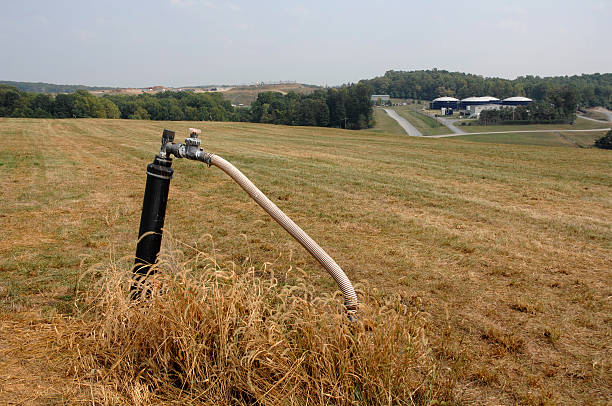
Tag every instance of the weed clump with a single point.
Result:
(209, 334)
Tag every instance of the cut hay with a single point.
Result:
(209, 334)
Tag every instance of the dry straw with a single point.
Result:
(209, 334)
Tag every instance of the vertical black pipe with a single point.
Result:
(159, 174)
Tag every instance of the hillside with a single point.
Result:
(236, 94)
(245, 95)
(40, 87)
(503, 250)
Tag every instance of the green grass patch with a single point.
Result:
(551, 139)
(472, 126)
(542, 139)
(385, 124)
(425, 124)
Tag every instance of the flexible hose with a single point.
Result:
(350, 297)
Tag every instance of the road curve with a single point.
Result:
(521, 131)
(594, 119)
(405, 124)
(450, 124)
(606, 112)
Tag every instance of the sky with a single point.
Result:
(137, 43)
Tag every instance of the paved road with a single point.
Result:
(521, 131)
(593, 119)
(405, 124)
(607, 112)
(450, 124)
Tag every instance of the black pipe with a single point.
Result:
(152, 218)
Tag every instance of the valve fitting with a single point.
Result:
(190, 149)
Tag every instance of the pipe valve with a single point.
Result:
(154, 208)
(190, 149)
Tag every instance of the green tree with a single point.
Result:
(140, 114)
(605, 142)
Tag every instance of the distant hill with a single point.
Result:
(248, 94)
(40, 87)
(242, 94)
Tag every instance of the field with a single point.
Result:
(385, 124)
(505, 250)
(552, 139)
(579, 124)
(599, 113)
(425, 124)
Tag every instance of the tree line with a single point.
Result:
(17, 103)
(558, 107)
(591, 89)
(41, 87)
(345, 107)
(82, 104)
(176, 106)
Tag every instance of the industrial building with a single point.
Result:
(444, 102)
(516, 101)
(472, 106)
(380, 98)
(475, 109)
(478, 101)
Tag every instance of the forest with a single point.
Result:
(345, 107)
(82, 104)
(591, 89)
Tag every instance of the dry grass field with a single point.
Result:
(579, 124)
(503, 251)
(554, 139)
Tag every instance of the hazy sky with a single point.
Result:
(196, 42)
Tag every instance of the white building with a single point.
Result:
(380, 98)
(475, 110)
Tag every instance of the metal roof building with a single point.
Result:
(381, 97)
(477, 101)
(516, 101)
(444, 102)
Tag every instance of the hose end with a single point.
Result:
(351, 307)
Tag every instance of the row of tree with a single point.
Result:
(82, 104)
(41, 87)
(16, 103)
(559, 106)
(591, 89)
(345, 107)
(176, 106)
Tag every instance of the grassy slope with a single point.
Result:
(579, 124)
(508, 247)
(425, 124)
(556, 139)
(385, 124)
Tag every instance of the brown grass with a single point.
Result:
(504, 249)
(227, 336)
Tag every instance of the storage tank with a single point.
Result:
(516, 101)
(444, 102)
(477, 101)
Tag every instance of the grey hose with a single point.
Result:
(350, 297)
